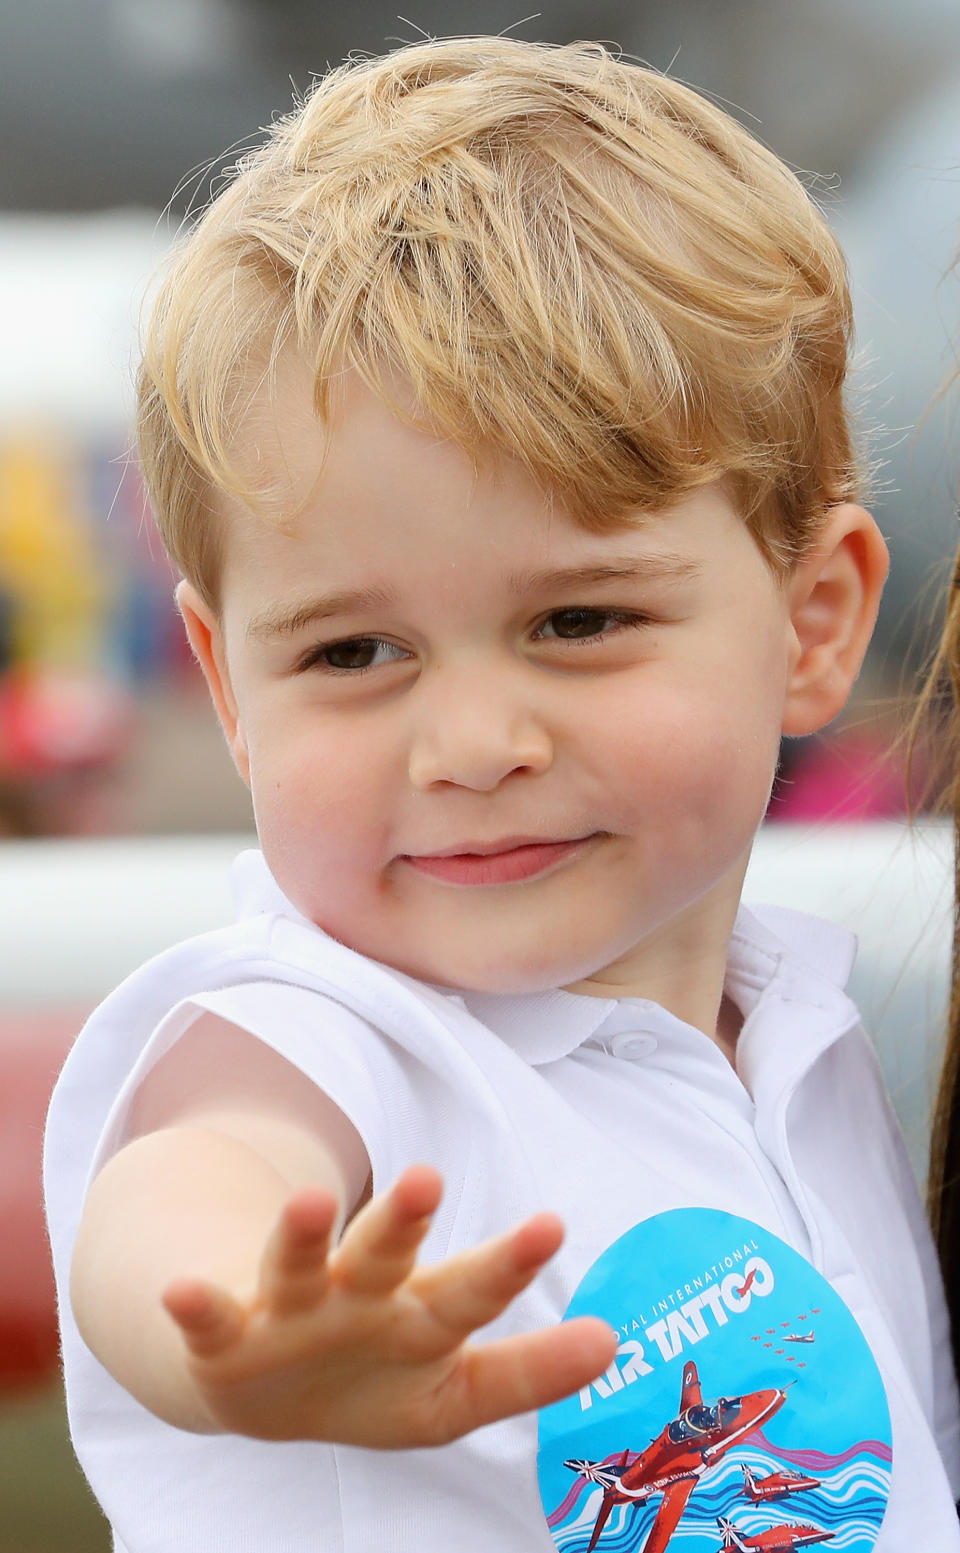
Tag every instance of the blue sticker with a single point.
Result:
(743, 1411)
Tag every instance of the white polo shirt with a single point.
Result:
(628, 1123)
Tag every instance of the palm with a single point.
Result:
(362, 1346)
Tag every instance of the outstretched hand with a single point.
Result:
(360, 1345)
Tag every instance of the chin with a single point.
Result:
(508, 980)
(511, 970)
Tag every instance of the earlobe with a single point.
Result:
(205, 636)
(834, 597)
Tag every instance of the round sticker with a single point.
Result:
(744, 1410)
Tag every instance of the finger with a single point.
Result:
(293, 1268)
(209, 1318)
(518, 1374)
(379, 1248)
(472, 1288)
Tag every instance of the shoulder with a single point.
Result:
(144, 1019)
(221, 1077)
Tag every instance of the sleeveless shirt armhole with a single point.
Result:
(334, 1048)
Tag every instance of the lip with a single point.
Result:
(507, 861)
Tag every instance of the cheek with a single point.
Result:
(321, 802)
(696, 754)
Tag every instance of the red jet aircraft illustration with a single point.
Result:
(778, 1539)
(776, 1485)
(681, 1453)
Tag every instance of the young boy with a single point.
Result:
(494, 416)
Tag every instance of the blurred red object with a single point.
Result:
(33, 1044)
(51, 721)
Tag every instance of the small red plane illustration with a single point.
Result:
(778, 1539)
(776, 1485)
(672, 1463)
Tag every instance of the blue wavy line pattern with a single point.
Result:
(850, 1503)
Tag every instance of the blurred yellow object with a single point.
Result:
(48, 560)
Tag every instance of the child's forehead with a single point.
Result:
(374, 442)
(282, 430)
(479, 536)
(370, 447)
(360, 488)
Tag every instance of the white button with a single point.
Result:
(633, 1045)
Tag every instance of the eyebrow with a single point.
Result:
(271, 623)
(285, 622)
(628, 568)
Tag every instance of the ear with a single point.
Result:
(206, 638)
(834, 594)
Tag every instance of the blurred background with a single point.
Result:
(115, 116)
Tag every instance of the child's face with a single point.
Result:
(431, 664)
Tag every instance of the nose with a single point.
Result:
(474, 735)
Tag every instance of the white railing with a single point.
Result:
(77, 916)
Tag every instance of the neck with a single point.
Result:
(682, 965)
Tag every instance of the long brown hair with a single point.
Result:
(938, 721)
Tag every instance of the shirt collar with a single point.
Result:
(768, 943)
(541, 1027)
(804, 956)
(766, 938)
(256, 892)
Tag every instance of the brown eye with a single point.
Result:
(571, 624)
(359, 653)
(582, 624)
(353, 655)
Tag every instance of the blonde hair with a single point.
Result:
(572, 260)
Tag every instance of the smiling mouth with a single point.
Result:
(504, 862)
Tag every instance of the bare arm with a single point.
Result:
(223, 1132)
(226, 1222)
